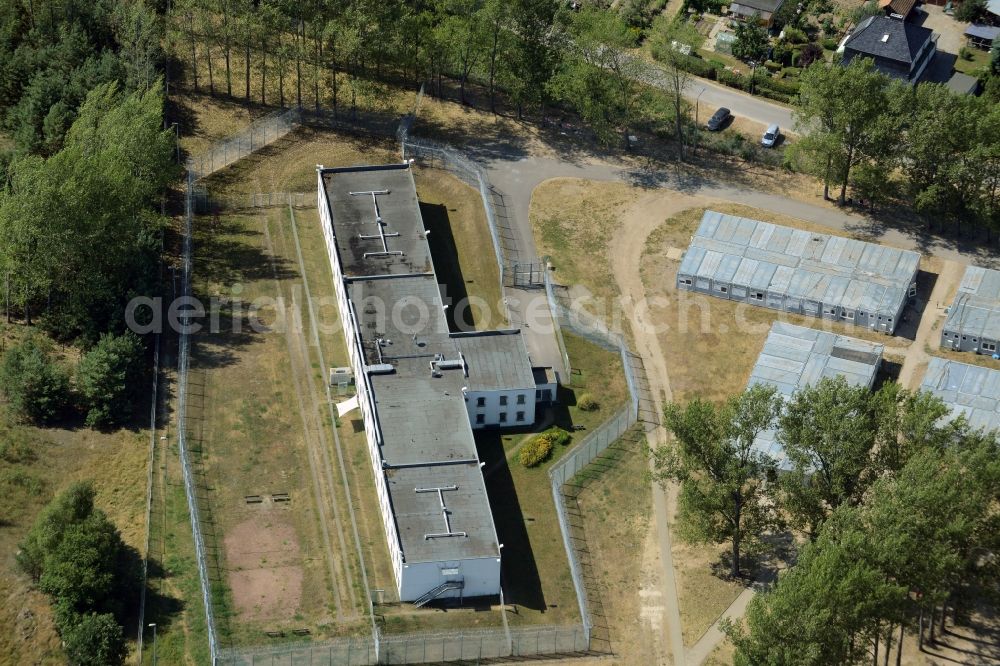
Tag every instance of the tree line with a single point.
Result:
(889, 141)
(85, 165)
(896, 506)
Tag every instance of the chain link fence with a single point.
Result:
(379, 648)
(258, 134)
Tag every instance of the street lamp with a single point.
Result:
(153, 625)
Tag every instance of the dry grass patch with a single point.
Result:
(289, 164)
(574, 221)
(260, 426)
(116, 462)
(703, 593)
(617, 511)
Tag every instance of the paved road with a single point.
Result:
(517, 177)
(740, 103)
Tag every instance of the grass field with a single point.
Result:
(115, 461)
(259, 427)
(574, 221)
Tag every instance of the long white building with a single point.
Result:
(421, 389)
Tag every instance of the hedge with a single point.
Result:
(535, 451)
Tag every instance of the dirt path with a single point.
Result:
(625, 252)
(928, 334)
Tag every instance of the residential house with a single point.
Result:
(899, 49)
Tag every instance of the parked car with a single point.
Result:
(718, 118)
(770, 136)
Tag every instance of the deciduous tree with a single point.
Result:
(721, 474)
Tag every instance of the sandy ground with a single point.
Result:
(929, 332)
(264, 563)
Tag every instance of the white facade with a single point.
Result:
(501, 408)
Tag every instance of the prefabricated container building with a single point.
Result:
(968, 390)
(973, 322)
(795, 357)
(765, 264)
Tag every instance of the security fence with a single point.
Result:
(258, 134)
(379, 648)
(471, 646)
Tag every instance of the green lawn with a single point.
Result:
(980, 60)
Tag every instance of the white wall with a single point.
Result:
(362, 381)
(491, 408)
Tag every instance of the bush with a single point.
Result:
(830, 44)
(535, 451)
(810, 53)
(588, 403)
(92, 639)
(558, 436)
(37, 389)
(796, 53)
(795, 36)
(772, 66)
(731, 79)
(107, 378)
(965, 54)
(791, 71)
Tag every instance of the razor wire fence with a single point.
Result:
(466, 645)
(579, 322)
(258, 134)
(183, 361)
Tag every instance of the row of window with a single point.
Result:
(481, 401)
(987, 346)
(518, 417)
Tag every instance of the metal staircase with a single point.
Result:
(436, 592)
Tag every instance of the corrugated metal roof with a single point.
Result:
(835, 271)
(976, 308)
(795, 357)
(967, 389)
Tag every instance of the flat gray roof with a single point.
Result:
(795, 357)
(353, 207)
(968, 390)
(976, 308)
(826, 269)
(420, 518)
(414, 367)
(496, 359)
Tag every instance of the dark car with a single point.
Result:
(718, 118)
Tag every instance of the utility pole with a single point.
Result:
(153, 625)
